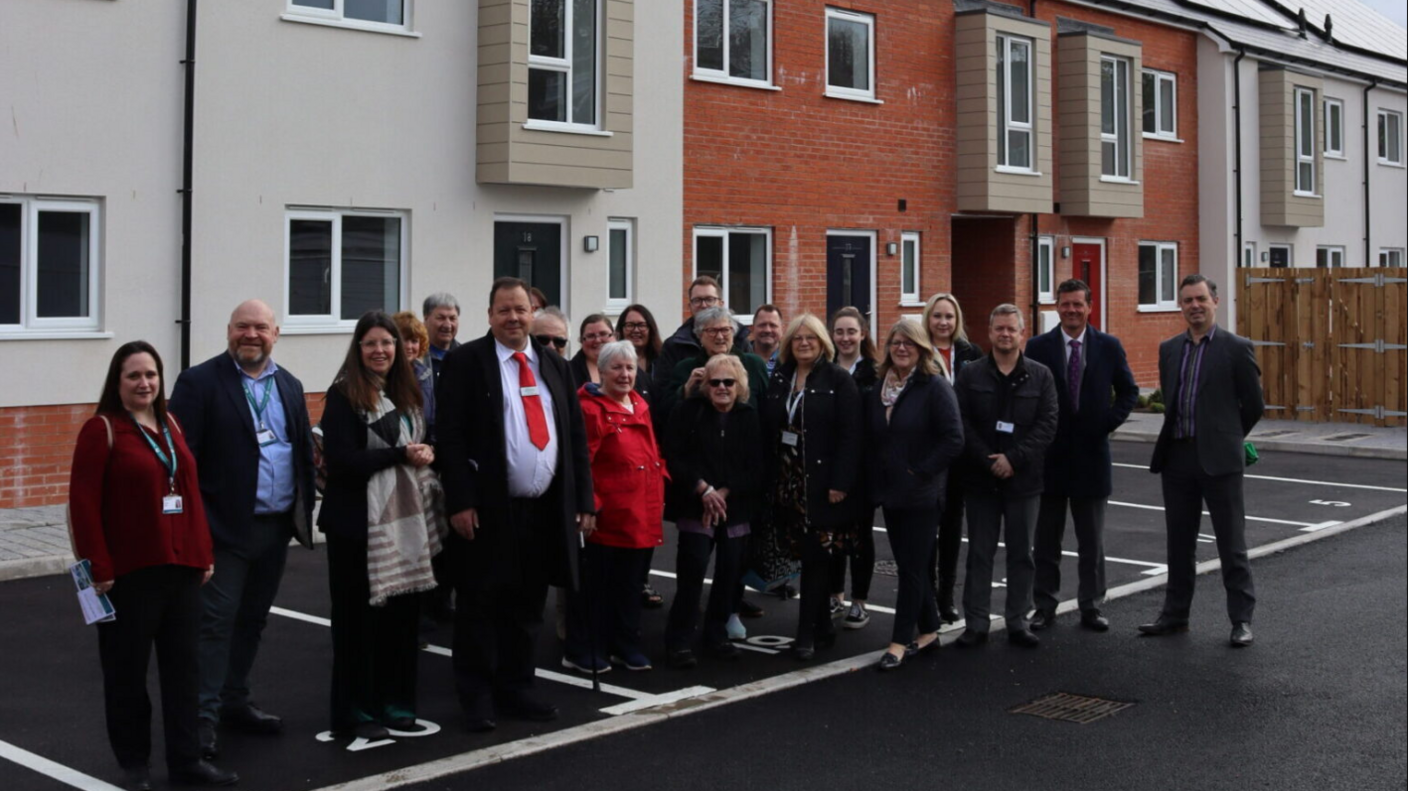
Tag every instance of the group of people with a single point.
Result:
(502, 467)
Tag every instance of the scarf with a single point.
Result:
(894, 385)
(406, 521)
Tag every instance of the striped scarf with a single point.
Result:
(406, 523)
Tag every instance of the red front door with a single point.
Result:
(1088, 267)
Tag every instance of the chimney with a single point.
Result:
(1301, 23)
(1329, 28)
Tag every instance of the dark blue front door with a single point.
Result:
(848, 274)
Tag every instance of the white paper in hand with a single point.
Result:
(97, 608)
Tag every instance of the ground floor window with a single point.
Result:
(49, 264)
(342, 263)
(741, 260)
(1158, 275)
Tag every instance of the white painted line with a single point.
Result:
(1145, 467)
(669, 575)
(1267, 520)
(1070, 554)
(657, 700)
(300, 616)
(1319, 527)
(56, 771)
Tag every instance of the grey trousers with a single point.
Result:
(991, 516)
(1186, 488)
(1088, 514)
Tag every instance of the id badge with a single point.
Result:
(266, 437)
(789, 438)
(1003, 427)
(171, 504)
(528, 392)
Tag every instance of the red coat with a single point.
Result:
(628, 471)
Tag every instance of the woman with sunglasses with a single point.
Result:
(714, 447)
(813, 438)
(855, 352)
(914, 434)
(594, 333)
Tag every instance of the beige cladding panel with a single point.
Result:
(1083, 190)
(1280, 206)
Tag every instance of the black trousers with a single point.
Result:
(862, 562)
(690, 564)
(813, 612)
(375, 650)
(1088, 514)
(156, 606)
(606, 611)
(943, 567)
(992, 516)
(911, 534)
(1186, 487)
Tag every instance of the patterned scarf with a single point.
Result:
(894, 385)
(406, 523)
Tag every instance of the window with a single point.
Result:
(1390, 257)
(1280, 255)
(562, 62)
(909, 269)
(1160, 104)
(1046, 270)
(1249, 254)
(372, 14)
(621, 269)
(1158, 275)
(1334, 128)
(732, 40)
(1014, 102)
(341, 264)
(740, 259)
(1329, 257)
(48, 264)
(1390, 138)
(1115, 154)
(850, 54)
(1305, 141)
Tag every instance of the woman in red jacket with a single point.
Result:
(137, 518)
(628, 476)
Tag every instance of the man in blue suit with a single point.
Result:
(247, 425)
(1089, 366)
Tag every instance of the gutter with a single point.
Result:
(187, 179)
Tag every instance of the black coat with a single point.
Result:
(682, 345)
(910, 453)
(350, 465)
(1078, 461)
(696, 449)
(209, 401)
(864, 375)
(1028, 401)
(831, 437)
(963, 353)
(474, 463)
(1229, 404)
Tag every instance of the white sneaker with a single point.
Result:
(838, 608)
(736, 630)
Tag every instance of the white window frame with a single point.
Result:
(1332, 255)
(854, 94)
(1383, 116)
(1046, 265)
(1387, 255)
(31, 324)
(722, 75)
(334, 17)
(1290, 253)
(1004, 77)
(614, 305)
(1162, 302)
(1305, 140)
(330, 322)
(723, 231)
(563, 65)
(1249, 259)
(1334, 129)
(1162, 78)
(1123, 100)
(911, 298)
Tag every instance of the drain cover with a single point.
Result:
(1273, 434)
(1344, 437)
(887, 568)
(1072, 708)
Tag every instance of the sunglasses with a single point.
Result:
(551, 340)
(722, 382)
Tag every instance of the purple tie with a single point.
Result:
(1073, 375)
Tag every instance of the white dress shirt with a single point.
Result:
(530, 471)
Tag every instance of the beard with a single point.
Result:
(250, 356)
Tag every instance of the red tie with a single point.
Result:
(532, 404)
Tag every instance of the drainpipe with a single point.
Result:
(1368, 247)
(187, 167)
(1036, 276)
(1237, 148)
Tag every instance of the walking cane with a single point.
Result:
(591, 612)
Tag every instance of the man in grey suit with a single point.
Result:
(1212, 387)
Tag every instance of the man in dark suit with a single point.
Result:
(1212, 388)
(247, 425)
(513, 455)
(1088, 365)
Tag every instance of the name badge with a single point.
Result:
(171, 504)
(790, 438)
(1004, 427)
(266, 437)
(528, 391)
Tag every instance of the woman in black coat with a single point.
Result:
(714, 451)
(914, 434)
(813, 440)
(855, 352)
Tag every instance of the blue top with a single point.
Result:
(276, 488)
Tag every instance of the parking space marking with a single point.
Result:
(1249, 476)
(56, 771)
(1264, 519)
(669, 575)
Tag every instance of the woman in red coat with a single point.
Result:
(137, 518)
(628, 476)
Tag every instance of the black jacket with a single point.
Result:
(963, 353)
(864, 375)
(350, 465)
(1229, 405)
(1027, 400)
(831, 437)
(682, 346)
(729, 457)
(910, 453)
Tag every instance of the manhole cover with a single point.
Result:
(1272, 434)
(887, 568)
(1344, 437)
(1072, 708)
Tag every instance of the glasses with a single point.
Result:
(903, 344)
(382, 344)
(804, 339)
(598, 336)
(722, 382)
(551, 340)
(703, 302)
(635, 326)
(717, 331)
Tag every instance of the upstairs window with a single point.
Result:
(1160, 104)
(1334, 128)
(1305, 141)
(1115, 148)
(48, 264)
(563, 62)
(1390, 138)
(389, 15)
(732, 40)
(1014, 102)
(850, 54)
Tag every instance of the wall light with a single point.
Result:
(591, 243)
(1065, 252)
(891, 248)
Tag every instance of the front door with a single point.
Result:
(848, 260)
(531, 251)
(1090, 266)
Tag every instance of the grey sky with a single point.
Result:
(1396, 10)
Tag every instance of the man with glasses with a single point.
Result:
(704, 294)
(550, 329)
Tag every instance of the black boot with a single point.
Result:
(947, 611)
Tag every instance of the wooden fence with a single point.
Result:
(1331, 342)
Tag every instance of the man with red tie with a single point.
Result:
(513, 453)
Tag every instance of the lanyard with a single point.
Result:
(263, 403)
(168, 463)
(794, 399)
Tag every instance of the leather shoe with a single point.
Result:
(1043, 619)
(915, 649)
(972, 638)
(136, 778)
(888, 662)
(1023, 638)
(252, 719)
(203, 773)
(947, 612)
(1164, 625)
(1241, 635)
(681, 659)
(524, 705)
(209, 742)
(1092, 620)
